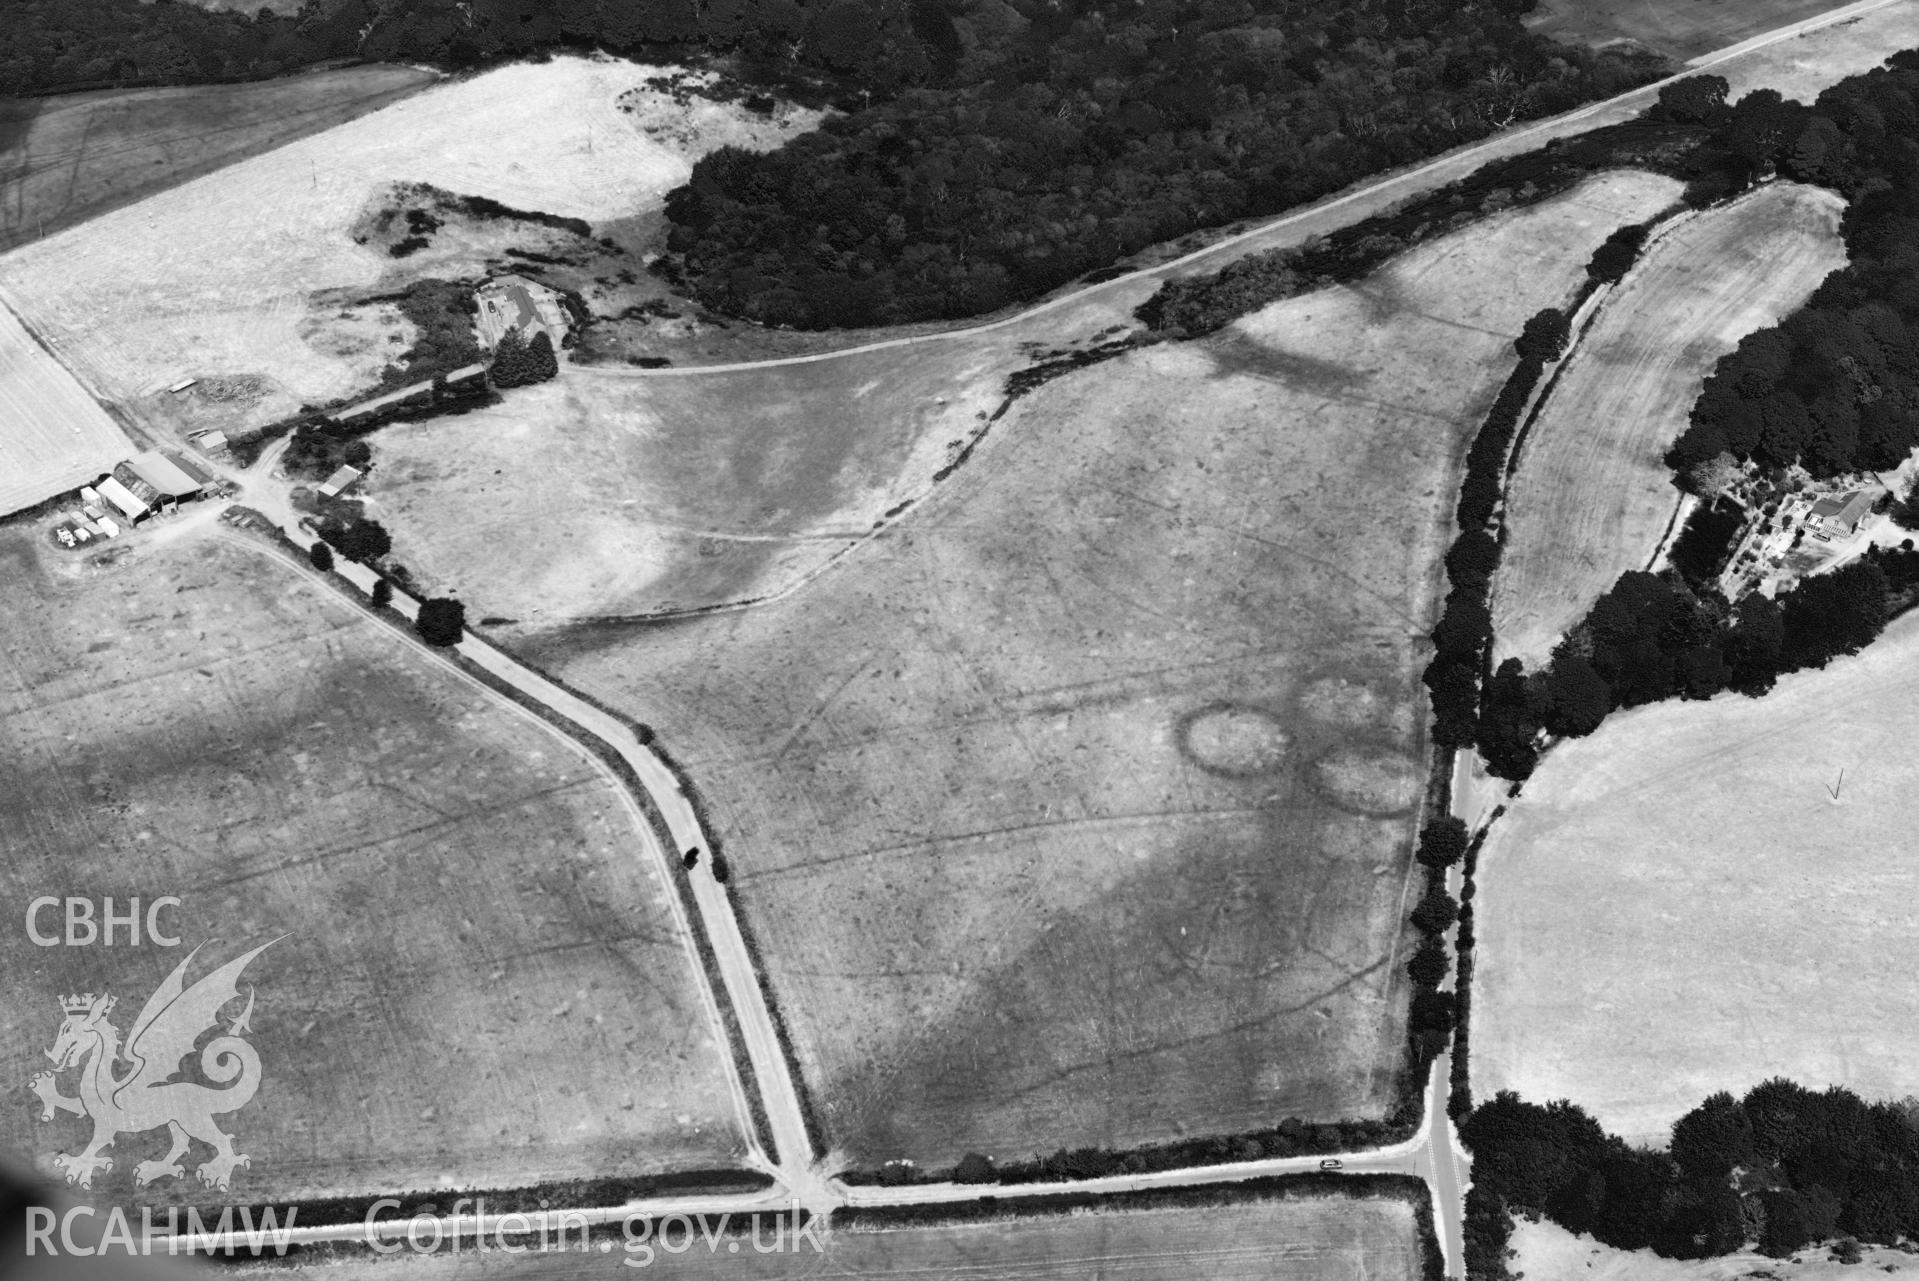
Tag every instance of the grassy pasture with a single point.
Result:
(482, 980)
(1804, 65)
(73, 157)
(1680, 29)
(238, 274)
(1678, 904)
(1075, 807)
(1294, 1240)
(1591, 497)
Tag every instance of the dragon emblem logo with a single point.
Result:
(145, 1096)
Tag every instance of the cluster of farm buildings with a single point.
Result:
(148, 484)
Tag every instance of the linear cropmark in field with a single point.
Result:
(69, 158)
(1075, 808)
(1591, 496)
(1693, 899)
(481, 980)
(53, 436)
(216, 277)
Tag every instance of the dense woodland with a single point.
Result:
(1103, 129)
(1834, 387)
(1782, 1167)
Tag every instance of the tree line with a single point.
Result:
(1834, 387)
(1781, 1167)
(1831, 389)
(1101, 131)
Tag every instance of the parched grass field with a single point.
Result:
(1678, 905)
(1680, 29)
(599, 495)
(69, 158)
(482, 981)
(53, 436)
(1326, 1239)
(1592, 497)
(1547, 1252)
(1076, 807)
(1804, 65)
(217, 277)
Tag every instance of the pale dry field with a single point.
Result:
(482, 981)
(1677, 905)
(1804, 65)
(1075, 807)
(1591, 497)
(1680, 29)
(214, 277)
(53, 436)
(599, 495)
(1547, 1252)
(73, 156)
(1327, 1239)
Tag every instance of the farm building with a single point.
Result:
(147, 483)
(340, 481)
(1839, 515)
(516, 303)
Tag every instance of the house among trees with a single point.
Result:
(1839, 515)
(514, 304)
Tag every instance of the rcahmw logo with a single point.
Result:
(145, 1097)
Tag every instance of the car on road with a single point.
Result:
(1331, 1163)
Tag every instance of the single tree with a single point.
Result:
(382, 593)
(321, 555)
(974, 1168)
(1442, 842)
(441, 622)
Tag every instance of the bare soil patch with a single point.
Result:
(997, 897)
(481, 983)
(1679, 904)
(1591, 496)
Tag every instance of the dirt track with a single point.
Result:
(1591, 496)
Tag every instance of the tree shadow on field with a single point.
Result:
(17, 117)
(1236, 354)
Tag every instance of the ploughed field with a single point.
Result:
(1075, 808)
(481, 980)
(65, 159)
(1304, 1239)
(53, 436)
(1681, 904)
(1591, 497)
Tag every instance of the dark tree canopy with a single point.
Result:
(441, 621)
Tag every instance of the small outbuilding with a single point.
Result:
(129, 504)
(340, 481)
